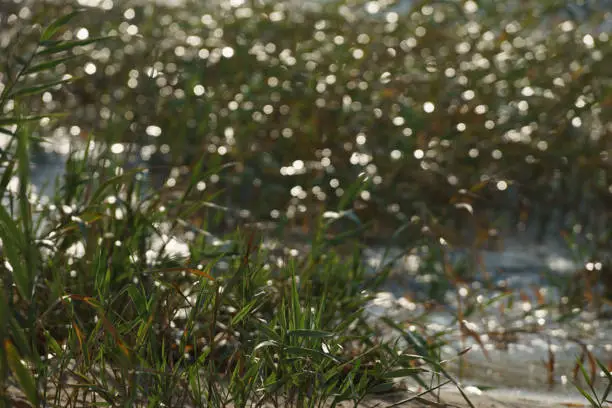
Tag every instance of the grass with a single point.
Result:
(92, 315)
(595, 399)
(95, 311)
(119, 290)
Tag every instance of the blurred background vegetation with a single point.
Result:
(402, 113)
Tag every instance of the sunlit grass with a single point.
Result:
(100, 313)
(147, 279)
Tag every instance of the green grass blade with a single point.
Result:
(404, 372)
(64, 46)
(48, 65)
(382, 388)
(592, 398)
(25, 211)
(23, 375)
(23, 119)
(117, 180)
(13, 240)
(586, 395)
(311, 353)
(316, 334)
(6, 177)
(244, 311)
(353, 191)
(608, 375)
(33, 90)
(265, 344)
(57, 24)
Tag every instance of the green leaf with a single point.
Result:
(116, 180)
(13, 240)
(23, 375)
(53, 344)
(404, 372)
(587, 396)
(46, 66)
(608, 375)
(39, 88)
(57, 24)
(23, 119)
(312, 353)
(267, 343)
(64, 46)
(353, 191)
(6, 177)
(381, 388)
(244, 312)
(49, 43)
(604, 369)
(317, 334)
(23, 171)
(267, 331)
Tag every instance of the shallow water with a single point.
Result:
(529, 345)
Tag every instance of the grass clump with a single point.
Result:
(100, 307)
(101, 304)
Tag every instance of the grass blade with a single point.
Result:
(6, 177)
(57, 24)
(48, 65)
(13, 240)
(311, 353)
(32, 90)
(244, 311)
(23, 375)
(64, 46)
(316, 334)
(23, 119)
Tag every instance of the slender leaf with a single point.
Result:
(23, 375)
(404, 372)
(244, 311)
(13, 240)
(381, 388)
(608, 375)
(312, 353)
(23, 119)
(57, 24)
(353, 191)
(48, 65)
(264, 344)
(32, 90)
(64, 46)
(6, 177)
(586, 395)
(317, 334)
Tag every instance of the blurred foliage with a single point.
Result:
(499, 108)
